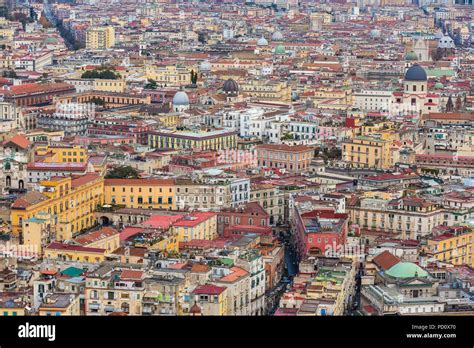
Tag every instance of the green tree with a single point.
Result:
(151, 84)
(194, 77)
(10, 74)
(97, 101)
(123, 172)
(100, 73)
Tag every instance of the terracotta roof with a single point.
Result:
(29, 199)
(31, 88)
(132, 251)
(128, 274)
(68, 247)
(209, 289)
(386, 260)
(19, 140)
(84, 179)
(200, 268)
(95, 236)
(194, 219)
(450, 116)
(237, 273)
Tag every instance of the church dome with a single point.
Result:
(280, 49)
(416, 73)
(180, 98)
(277, 36)
(438, 85)
(411, 56)
(262, 42)
(406, 270)
(446, 42)
(230, 87)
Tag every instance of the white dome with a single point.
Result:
(262, 42)
(277, 36)
(446, 42)
(180, 98)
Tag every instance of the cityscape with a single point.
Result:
(236, 158)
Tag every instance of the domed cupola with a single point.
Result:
(411, 56)
(262, 41)
(280, 50)
(180, 101)
(277, 36)
(446, 42)
(230, 88)
(416, 73)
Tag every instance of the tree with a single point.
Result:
(449, 105)
(194, 77)
(97, 101)
(458, 103)
(123, 172)
(104, 74)
(151, 84)
(10, 74)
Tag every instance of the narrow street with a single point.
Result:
(290, 270)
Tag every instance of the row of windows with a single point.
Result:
(140, 189)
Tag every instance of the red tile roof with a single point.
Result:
(194, 219)
(68, 247)
(84, 179)
(209, 289)
(18, 140)
(128, 274)
(386, 260)
(91, 237)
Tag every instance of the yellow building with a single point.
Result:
(140, 193)
(7, 33)
(367, 152)
(37, 231)
(73, 201)
(169, 243)
(169, 75)
(199, 225)
(100, 38)
(210, 299)
(106, 85)
(78, 253)
(454, 246)
(105, 238)
(61, 153)
(169, 120)
(212, 140)
(267, 89)
(6, 61)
